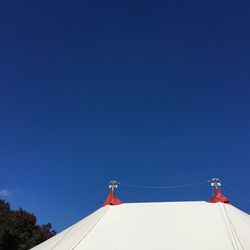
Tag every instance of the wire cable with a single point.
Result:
(162, 187)
(236, 192)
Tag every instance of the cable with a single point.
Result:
(162, 187)
(236, 192)
(232, 226)
(227, 225)
(91, 228)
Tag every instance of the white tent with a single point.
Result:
(157, 226)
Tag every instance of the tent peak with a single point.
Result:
(112, 198)
(218, 196)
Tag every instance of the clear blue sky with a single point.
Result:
(145, 92)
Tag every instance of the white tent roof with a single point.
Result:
(157, 226)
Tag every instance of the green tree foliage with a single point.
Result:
(18, 229)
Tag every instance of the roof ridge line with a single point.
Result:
(72, 227)
(60, 239)
(228, 226)
(91, 228)
(232, 226)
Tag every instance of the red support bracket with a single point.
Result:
(219, 197)
(112, 200)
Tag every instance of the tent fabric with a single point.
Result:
(157, 226)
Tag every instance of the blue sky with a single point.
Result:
(150, 93)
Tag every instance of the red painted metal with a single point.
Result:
(112, 200)
(219, 197)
